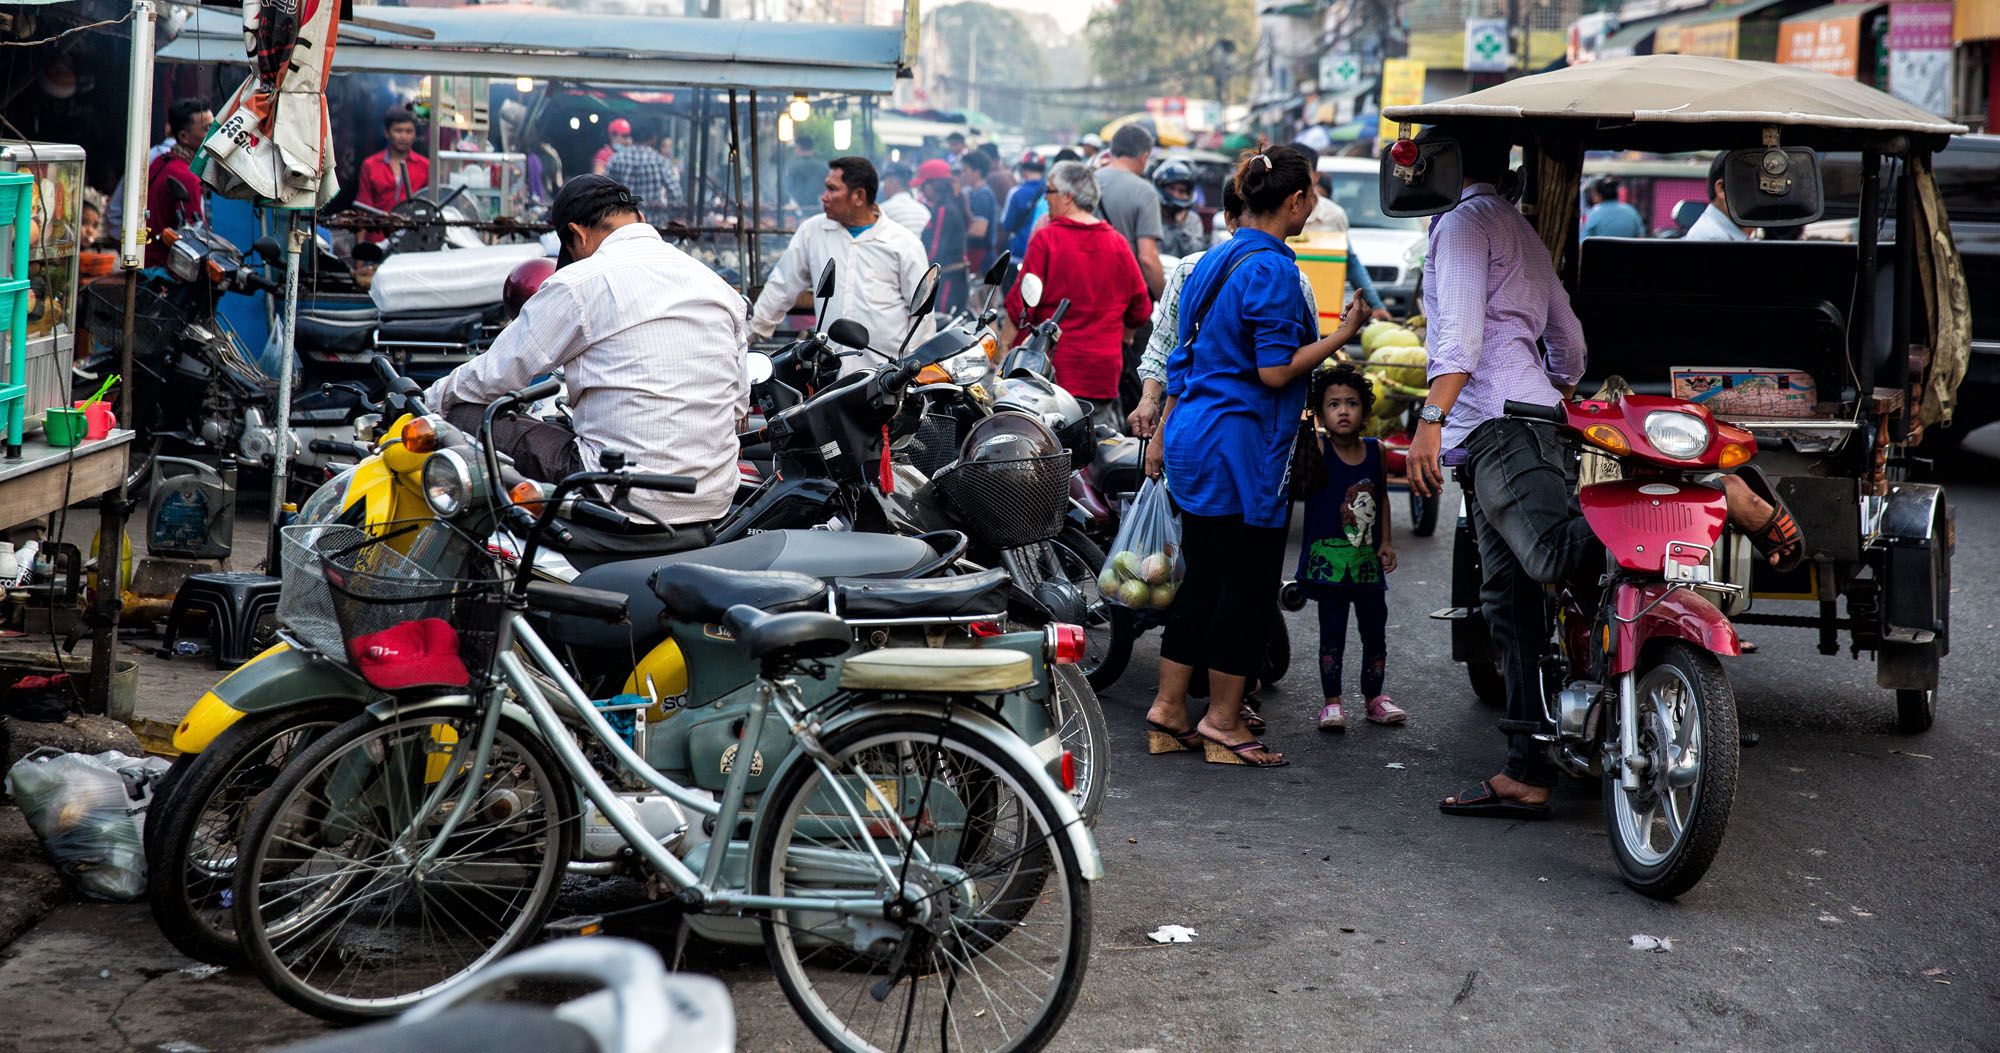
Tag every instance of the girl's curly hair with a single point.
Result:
(1344, 375)
(1308, 463)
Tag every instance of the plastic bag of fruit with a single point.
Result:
(1145, 565)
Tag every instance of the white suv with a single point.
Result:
(1392, 249)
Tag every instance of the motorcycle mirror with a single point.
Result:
(177, 190)
(926, 294)
(1031, 289)
(824, 289)
(759, 367)
(268, 249)
(996, 275)
(848, 333)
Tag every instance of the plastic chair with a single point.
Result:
(235, 601)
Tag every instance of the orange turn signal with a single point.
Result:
(1732, 455)
(419, 436)
(527, 494)
(1607, 438)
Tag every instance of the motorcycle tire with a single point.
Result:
(1115, 629)
(1423, 514)
(1489, 685)
(1664, 874)
(1277, 651)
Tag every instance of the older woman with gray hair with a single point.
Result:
(1082, 259)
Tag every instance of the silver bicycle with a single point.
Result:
(919, 878)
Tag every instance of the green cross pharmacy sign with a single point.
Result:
(1486, 49)
(1339, 72)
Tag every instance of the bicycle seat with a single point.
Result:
(965, 594)
(787, 638)
(692, 592)
(938, 670)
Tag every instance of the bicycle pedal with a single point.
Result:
(574, 927)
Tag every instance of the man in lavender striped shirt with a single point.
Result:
(1490, 294)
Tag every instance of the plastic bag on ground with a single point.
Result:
(1144, 566)
(90, 811)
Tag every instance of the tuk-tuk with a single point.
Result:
(1837, 356)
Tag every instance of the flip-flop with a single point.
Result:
(1163, 739)
(1780, 534)
(1481, 802)
(1219, 752)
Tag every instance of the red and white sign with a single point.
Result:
(1920, 27)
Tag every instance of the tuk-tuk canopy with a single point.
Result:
(1668, 103)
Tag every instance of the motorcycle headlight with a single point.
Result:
(447, 482)
(970, 367)
(1681, 436)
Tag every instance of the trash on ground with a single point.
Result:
(1936, 970)
(1172, 934)
(200, 972)
(1656, 944)
(1831, 920)
(89, 809)
(1398, 765)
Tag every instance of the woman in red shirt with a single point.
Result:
(1082, 259)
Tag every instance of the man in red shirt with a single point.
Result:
(173, 191)
(398, 173)
(1077, 257)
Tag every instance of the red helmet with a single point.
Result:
(621, 126)
(526, 277)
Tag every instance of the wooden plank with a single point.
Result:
(35, 494)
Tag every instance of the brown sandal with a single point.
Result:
(1220, 752)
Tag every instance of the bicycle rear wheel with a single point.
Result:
(334, 910)
(994, 934)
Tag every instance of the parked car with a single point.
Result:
(1392, 249)
(1968, 176)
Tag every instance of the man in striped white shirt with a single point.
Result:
(651, 345)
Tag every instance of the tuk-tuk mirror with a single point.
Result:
(925, 296)
(824, 290)
(1772, 186)
(1031, 289)
(1421, 177)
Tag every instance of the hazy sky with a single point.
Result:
(1069, 14)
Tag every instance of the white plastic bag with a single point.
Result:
(89, 811)
(1145, 561)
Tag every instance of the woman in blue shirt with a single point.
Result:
(1235, 390)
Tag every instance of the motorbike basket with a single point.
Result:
(1010, 503)
(156, 319)
(934, 445)
(396, 620)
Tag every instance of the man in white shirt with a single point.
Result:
(651, 345)
(899, 202)
(877, 265)
(1714, 223)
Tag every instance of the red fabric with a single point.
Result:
(379, 186)
(163, 213)
(414, 654)
(1091, 266)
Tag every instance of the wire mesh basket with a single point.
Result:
(156, 318)
(1013, 502)
(425, 619)
(934, 445)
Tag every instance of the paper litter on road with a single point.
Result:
(1394, 764)
(200, 972)
(1172, 934)
(1656, 944)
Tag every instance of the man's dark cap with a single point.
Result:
(585, 200)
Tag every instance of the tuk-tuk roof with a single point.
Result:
(1664, 102)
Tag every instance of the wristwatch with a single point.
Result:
(1431, 415)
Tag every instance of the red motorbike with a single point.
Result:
(1632, 692)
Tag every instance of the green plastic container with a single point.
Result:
(65, 426)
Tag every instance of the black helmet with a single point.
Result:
(1172, 172)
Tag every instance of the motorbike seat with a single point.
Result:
(590, 546)
(690, 592)
(454, 326)
(820, 554)
(966, 594)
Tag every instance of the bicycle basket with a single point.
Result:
(1013, 502)
(350, 595)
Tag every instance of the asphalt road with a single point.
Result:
(1851, 907)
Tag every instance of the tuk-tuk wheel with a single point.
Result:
(1916, 709)
(1489, 686)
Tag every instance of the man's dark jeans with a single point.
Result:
(1530, 533)
(542, 450)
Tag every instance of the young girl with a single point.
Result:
(1346, 553)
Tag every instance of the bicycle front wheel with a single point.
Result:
(337, 909)
(989, 932)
